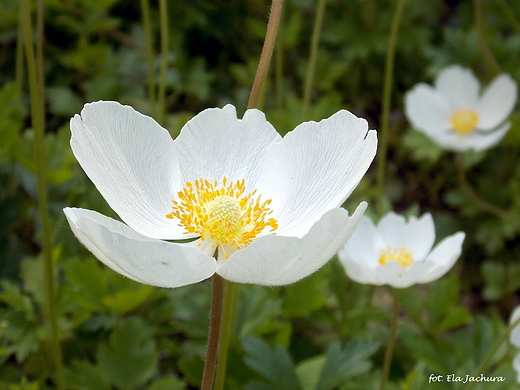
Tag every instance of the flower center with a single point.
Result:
(464, 121)
(223, 213)
(401, 255)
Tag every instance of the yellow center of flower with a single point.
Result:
(401, 255)
(223, 213)
(464, 121)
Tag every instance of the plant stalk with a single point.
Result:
(391, 341)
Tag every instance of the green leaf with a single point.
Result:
(85, 376)
(125, 301)
(130, 358)
(274, 365)
(309, 370)
(304, 297)
(341, 365)
(168, 383)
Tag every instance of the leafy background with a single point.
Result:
(325, 332)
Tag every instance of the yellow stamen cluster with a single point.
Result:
(401, 255)
(464, 121)
(222, 213)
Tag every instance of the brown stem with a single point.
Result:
(267, 52)
(213, 333)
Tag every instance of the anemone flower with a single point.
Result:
(257, 208)
(398, 252)
(454, 114)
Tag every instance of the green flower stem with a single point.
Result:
(147, 25)
(509, 14)
(19, 70)
(478, 201)
(267, 52)
(492, 352)
(491, 62)
(161, 95)
(387, 93)
(228, 324)
(391, 341)
(35, 77)
(318, 21)
(213, 333)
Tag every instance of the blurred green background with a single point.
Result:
(117, 334)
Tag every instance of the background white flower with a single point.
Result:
(514, 337)
(454, 114)
(267, 206)
(398, 252)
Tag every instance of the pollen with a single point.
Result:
(464, 121)
(401, 255)
(223, 212)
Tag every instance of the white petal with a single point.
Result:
(428, 110)
(497, 102)
(416, 235)
(314, 168)
(399, 277)
(149, 261)
(477, 140)
(443, 256)
(514, 336)
(277, 260)
(131, 161)
(363, 246)
(459, 85)
(215, 144)
(516, 366)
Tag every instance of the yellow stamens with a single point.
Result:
(401, 255)
(464, 121)
(222, 213)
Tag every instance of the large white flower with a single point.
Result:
(454, 114)
(397, 252)
(261, 209)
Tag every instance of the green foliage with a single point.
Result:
(314, 335)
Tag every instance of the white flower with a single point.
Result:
(455, 116)
(514, 337)
(397, 252)
(261, 209)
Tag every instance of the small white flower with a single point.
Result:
(397, 252)
(514, 337)
(454, 114)
(260, 208)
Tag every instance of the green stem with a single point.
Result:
(387, 93)
(161, 95)
(213, 333)
(267, 52)
(35, 77)
(492, 351)
(318, 21)
(228, 324)
(480, 26)
(478, 201)
(509, 14)
(147, 25)
(391, 341)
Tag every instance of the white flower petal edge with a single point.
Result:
(477, 140)
(132, 162)
(444, 255)
(497, 102)
(427, 109)
(314, 168)
(278, 260)
(514, 336)
(459, 85)
(215, 143)
(516, 366)
(149, 261)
